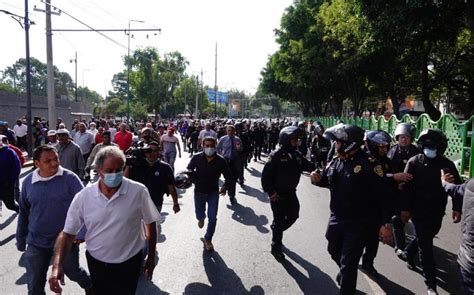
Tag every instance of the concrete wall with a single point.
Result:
(13, 106)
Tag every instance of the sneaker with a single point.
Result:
(431, 291)
(370, 270)
(201, 223)
(233, 200)
(401, 254)
(208, 245)
(278, 254)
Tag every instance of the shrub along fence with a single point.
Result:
(460, 134)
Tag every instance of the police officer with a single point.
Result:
(319, 146)
(280, 177)
(399, 155)
(424, 200)
(377, 145)
(357, 193)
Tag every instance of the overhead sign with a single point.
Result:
(222, 97)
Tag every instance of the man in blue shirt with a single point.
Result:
(229, 147)
(10, 171)
(45, 198)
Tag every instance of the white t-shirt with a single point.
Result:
(115, 231)
(20, 131)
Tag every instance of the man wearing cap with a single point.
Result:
(70, 154)
(52, 138)
(169, 144)
(20, 130)
(92, 129)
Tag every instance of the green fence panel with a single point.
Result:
(460, 134)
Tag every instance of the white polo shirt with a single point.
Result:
(115, 232)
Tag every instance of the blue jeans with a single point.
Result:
(212, 200)
(37, 264)
(170, 157)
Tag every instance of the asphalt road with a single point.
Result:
(242, 263)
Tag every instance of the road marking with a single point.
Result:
(373, 285)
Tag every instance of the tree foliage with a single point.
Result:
(363, 50)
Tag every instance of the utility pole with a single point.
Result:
(75, 76)
(49, 61)
(28, 83)
(197, 95)
(215, 85)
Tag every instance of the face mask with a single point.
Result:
(209, 151)
(429, 153)
(113, 179)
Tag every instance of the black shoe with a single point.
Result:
(233, 200)
(431, 291)
(338, 278)
(370, 270)
(241, 182)
(278, 254)
(401, 254)
(410, 262)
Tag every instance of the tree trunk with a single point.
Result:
(430, 109)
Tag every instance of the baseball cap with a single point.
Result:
(51, 132)
(62, 131)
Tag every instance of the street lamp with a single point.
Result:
(75, 78)
(129, 67)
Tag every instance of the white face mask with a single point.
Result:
(209, 151)
(429, 153)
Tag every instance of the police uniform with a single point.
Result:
(281, 175)
(398, 159)
(356, 185)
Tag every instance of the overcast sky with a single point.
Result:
(243, 29)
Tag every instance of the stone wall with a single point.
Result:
(13, 106)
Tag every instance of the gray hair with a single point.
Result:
(109, 151)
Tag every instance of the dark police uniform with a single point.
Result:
(398, 160)
(281, 174)
(356, 186)
(156, 178)
(425, 198)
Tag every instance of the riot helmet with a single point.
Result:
(182, 180)
(351, 137)
(377, 138)
(405, 129)
(433, 139)
(286, 134)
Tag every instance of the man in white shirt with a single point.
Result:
(113, 211)
(20, 130)
(84, 140)
(92, 129)
(205, 133)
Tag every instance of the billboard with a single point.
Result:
(222, 97)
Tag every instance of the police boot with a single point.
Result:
(370, 270)
(431, 291)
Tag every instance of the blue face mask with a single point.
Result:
(429, 153)
(113, 179)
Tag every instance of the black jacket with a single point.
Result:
(424, 196)
(281, 173)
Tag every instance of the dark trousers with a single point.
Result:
(426, 229)
(21, 142)
(346, 242)
(257, 150)
(115, 278)
(467, 281)
(241, 161)
(399, 232)
(234, 172)
(285, 213)
(7, 195)
(371, 243)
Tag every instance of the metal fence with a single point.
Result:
(460, 134)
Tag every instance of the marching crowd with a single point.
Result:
(377, 184)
